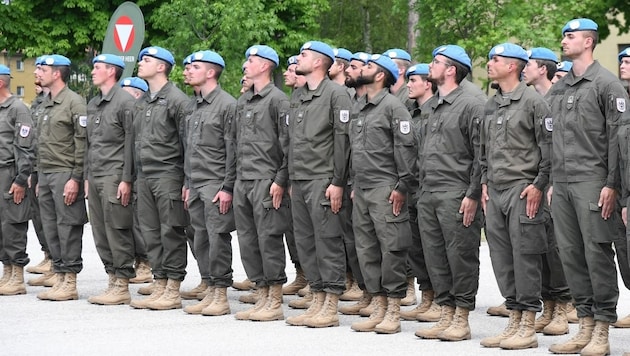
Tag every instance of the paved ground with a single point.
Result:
(29, 326)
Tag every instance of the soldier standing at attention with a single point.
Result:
(159, 162)
(318, 167)
(109, 170)
(450, 188)
(61, 130)
(16, 156)
(587, 105)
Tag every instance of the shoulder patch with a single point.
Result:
(405, 127)
(344, 115)
(549, 124)
(621, 104)
(25, 131)
(83, 121)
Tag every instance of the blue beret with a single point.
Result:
(292, 60)
(187, 60)
(418, 69)
(134, 82)
(565, 66)
(39, 60)
(397, 53)
(207, 56)
(109, 59)
(386, 63)
(343, 53)
(319, 47)
(579, 25)
(263, 51)
(4, 70)
(361, 57)
(509, 50)
(624, 53)
(157, 52)
(455, 53)
(55, 60)
(542, 53)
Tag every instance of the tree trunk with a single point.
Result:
(412, 23)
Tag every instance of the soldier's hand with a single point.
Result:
(18, 193)
(534, 197)
(124, 193)
(185, 193)
(334, 194)
(70, 192)
(276, 192)
(469, 209)
(225, 201)
(549, 194)
(606, 202)
(484, 197)
(397, 200)
(624, 215)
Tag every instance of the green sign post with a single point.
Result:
(125, 34)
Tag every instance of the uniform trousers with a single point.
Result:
(162, 220)
(352, 259)
(63, 224)
(451, 250)
(13, 222)
(318, 236)
(517, 244)
(585, 244)
(111, 226)
(382, 241)
(212, 234)
(260, 228)
(416, 263)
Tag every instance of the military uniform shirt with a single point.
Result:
(450, 152)
(381, 130)
(61, 130)
(110, 134)
(515, 137)
(262, 136)
(159, 148)
(419, 119)
(210, 147)
(16, 139)
(586, 112)
(318, 129)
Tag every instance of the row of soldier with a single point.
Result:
(388, 177)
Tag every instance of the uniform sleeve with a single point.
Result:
(281, 117)
(230, 148)
(78, 110)
(474, 123)
(341, 106)
(23, 143)
(543, 128)
(405, 149)
(616, 102)
(484, 132)
(126, 118)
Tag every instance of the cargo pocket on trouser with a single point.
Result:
(602, 231)
(398, 232)
(117, 216)
(276, 222)
(533, 234)
(331, 223)
(223, 223)
(177, 215)
(16, 213)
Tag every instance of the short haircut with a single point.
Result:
(551, 66)
(64, 72)
(218, 70)
(118, 71)
(594, 35)
(389, 78)
(6, 79)
(461, 71)
(343, 62)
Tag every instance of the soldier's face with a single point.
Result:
(186, 72)
(353, 72)
(197, 74)
(368, 74)
(290, 76)
(305, 62)
(573, 44)
(147, 67)
(100, 73)
(438, 67)
(45, 75)
(624, 68)
(498, 67)
(417, 86)
(532, 72)
(254, 66)
(557, 76)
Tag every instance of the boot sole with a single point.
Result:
(528, 346)
(465, 337)
(20, 292)
(383, 331)
(327, 325)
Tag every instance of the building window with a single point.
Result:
(20, 91)
(19, 65)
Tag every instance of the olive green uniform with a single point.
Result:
(32, 197)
